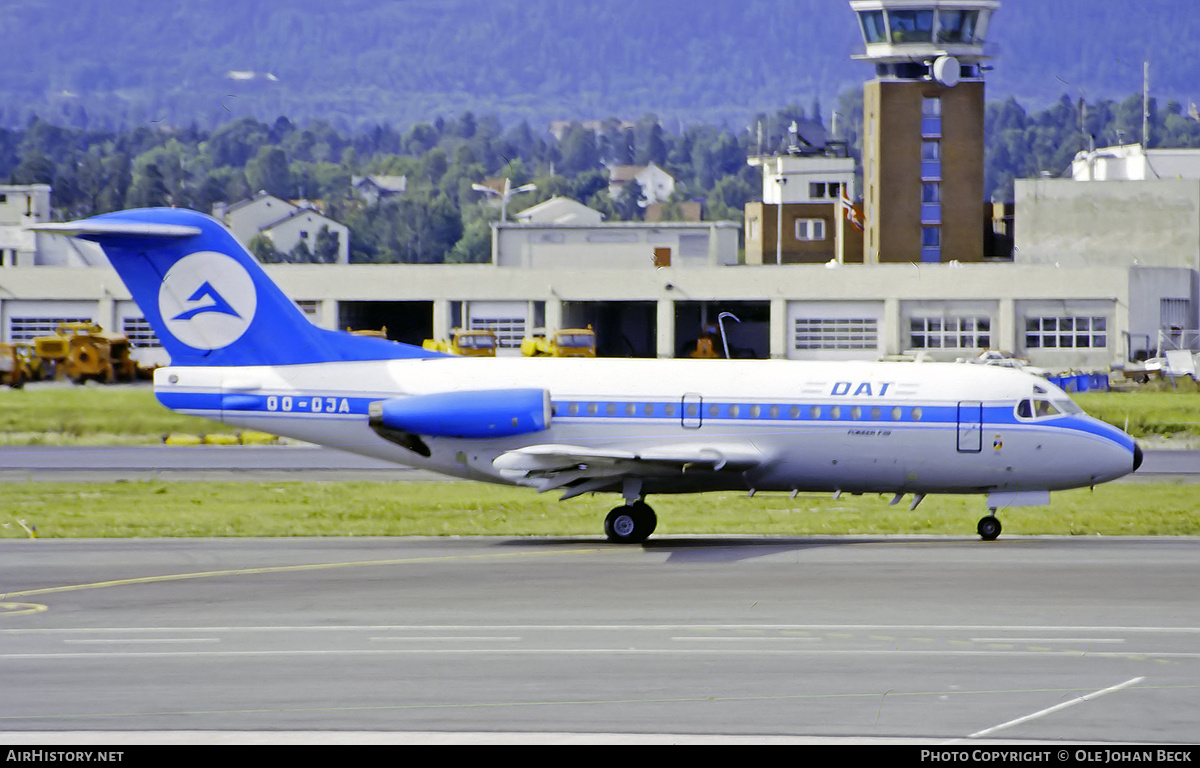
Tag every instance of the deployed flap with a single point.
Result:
(551, 466)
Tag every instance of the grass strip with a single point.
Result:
(195, 509)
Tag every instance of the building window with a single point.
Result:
(836, 333)
(874, 28)
(810, 229)
(139, 333)
(931, 160)
(820, 190)
(1066, 332)
(509, 330)
(911, 26)
(931, 237)
(956, 26)
(931, 117)
(950, 333)
(27, 328)
(931, 192)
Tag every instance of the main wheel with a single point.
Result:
(630, 523)
(989, 528)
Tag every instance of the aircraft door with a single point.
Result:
(970, 426)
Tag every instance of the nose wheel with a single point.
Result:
(989, 527)
(630, 523)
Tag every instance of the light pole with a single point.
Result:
(779, 217)
(505, 194)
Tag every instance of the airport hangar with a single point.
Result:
(1099, 268)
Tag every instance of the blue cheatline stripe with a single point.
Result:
(267, 404)
(580, 411)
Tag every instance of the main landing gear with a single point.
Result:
(630, 523)
(989, 527)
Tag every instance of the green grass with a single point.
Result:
(1146, 414)
(64, 414)
(168, 509)
(122, 415)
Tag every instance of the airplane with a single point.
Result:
(243, 353)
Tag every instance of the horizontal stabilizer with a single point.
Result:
(90, 229)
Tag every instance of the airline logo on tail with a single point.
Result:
(207, 300)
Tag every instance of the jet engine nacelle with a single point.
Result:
(473, 414)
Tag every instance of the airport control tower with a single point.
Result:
(923, 128)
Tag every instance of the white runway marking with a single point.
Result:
(1056, 708)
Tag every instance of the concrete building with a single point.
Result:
(22, 205)
(1125, 208)
(1059, 318)
(802, 218)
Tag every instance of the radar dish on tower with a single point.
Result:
(947, 71)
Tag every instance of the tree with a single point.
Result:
(264, 250)
(579, 152)
(326, 246)
(630, 202)
(268, 172)
(148, 188)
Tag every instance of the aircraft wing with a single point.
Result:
(583, 470)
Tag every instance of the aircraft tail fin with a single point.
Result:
(208, 300)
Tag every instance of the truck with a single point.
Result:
(469, 343)
(569, 342)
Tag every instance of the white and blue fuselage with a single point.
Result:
(243, 353)
(854, 427)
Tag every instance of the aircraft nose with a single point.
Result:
(1137, 457)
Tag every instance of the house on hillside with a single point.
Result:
(286, 224)
(657, 185)
(372, 189)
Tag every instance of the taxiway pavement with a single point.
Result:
(743, 639)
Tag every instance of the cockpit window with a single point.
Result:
(1068, 406)
(1041, 408)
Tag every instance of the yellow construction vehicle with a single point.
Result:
(705, 348)
(83, 351)
(464, 342)
(380, 334)
(19, 364)
(569, 342)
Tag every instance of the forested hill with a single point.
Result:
(356, 63)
